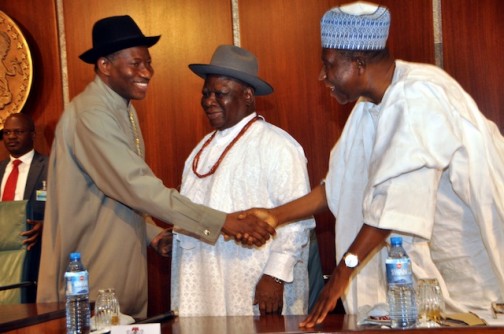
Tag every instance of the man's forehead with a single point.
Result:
(16, 122)
(328, 54)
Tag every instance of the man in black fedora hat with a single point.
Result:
(245, 162)
(105, 189)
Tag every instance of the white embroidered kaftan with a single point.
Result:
(428, 165)
(265, 168)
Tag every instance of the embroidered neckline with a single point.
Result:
(134, 128)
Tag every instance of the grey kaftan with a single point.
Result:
(98, 189)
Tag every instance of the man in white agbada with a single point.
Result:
(246, 162)
(416, 158)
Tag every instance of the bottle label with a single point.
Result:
(76, 283)
(399, 271)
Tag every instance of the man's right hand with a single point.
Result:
(247, 229)
(263, 214)
(34, 234)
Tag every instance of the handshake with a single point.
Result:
(250, 227)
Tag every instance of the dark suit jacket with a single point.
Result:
(35, 210)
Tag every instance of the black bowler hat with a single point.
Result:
(116, 33)
(234, 62)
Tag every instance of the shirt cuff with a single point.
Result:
(281, 266)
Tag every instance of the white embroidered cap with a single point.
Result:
(355, 26)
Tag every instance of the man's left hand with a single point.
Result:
(269, 295)
(33, 234)
(162, 243)
(327, 299)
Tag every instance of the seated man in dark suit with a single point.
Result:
(18, 137)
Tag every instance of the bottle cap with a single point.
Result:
(74, 256)
(396, 241)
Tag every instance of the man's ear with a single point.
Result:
(249, 95)
(361, 62)
(103, 64)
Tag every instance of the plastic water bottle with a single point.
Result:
(77, 296)
(401, 292)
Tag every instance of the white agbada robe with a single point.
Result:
(428, 165)
(265, 168)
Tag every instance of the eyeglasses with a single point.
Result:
(16, 132)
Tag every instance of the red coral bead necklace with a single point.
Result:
(226, 150)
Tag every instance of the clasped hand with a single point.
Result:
(162, 243)
(269, 295)
(250, 227)
(33, 234)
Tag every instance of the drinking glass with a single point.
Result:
(430, 302)
(106, 309)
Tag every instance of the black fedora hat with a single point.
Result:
(237, 63)
(115, 33)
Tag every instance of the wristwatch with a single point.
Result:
(351, 260)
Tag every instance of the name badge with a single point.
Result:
(41, 195)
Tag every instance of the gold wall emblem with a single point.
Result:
(16, 69)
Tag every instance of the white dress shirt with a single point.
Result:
(24, 168)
